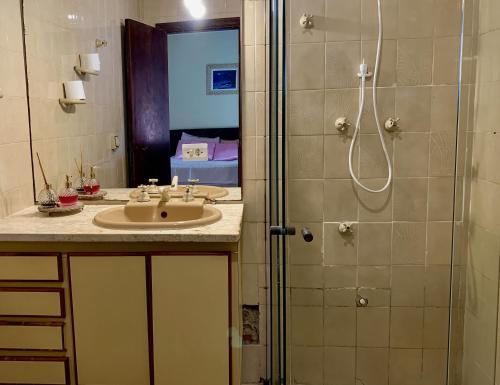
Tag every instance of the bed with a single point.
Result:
(224, 173)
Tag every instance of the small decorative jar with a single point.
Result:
(68, 195)
(47, 197)
(92, 185)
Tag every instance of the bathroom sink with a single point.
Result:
(200, 191)
(209, 192)
(175, 214)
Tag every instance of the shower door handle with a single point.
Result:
(307, 234)
(290, 230)
(279, 230)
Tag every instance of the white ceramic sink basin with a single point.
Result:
(175, 214)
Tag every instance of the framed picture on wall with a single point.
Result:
(222, 79)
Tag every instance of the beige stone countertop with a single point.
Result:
(29, 225)
(123, 194)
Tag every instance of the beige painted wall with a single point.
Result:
(55, 36)
(16, 191)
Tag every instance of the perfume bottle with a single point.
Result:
(68, 195)
(81, 184)
(92, 185)
(47, 197)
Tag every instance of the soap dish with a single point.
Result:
(92, 197)
(61, 210)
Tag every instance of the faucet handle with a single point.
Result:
(165, 195)
(153, 180)
(193, 183)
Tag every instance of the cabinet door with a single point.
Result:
(190, 298)
(110, 320)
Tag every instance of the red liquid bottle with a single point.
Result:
(92, 185)
(68, 195)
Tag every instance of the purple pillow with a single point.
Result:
(197, 139)
(226, 151)
(211, 148)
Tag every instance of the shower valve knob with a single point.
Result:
(392, 124)
(306, 21)
(342, 124)
(345, 228)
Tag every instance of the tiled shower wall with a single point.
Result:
(16, 191)
(399, 253)
(481, 361)
(56, 32)
(253, 87)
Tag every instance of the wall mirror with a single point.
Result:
(163, 99)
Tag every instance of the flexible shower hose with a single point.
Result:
(363, 74)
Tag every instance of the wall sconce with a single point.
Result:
(74, 93)
(89, 64)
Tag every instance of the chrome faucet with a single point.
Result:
(188, 195)
(165, 195)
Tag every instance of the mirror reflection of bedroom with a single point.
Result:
(184, 102)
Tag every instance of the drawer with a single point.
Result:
(40, 268)
(31, 335)
(34, 370)
(31, 302)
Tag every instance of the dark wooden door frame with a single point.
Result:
(229, 23)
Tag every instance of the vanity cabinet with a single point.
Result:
(158, 313)
(162, 315)
(191, 323)
(108, 296)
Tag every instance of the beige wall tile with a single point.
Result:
(306, 112)
(305, 157)
(343, 20)
(407, 286)
(416, 19)
(307, 66)
(298, 34)
(340, 326)
(340, 297)
(406, 367)
(372, 365)
(343, 58)
(411, 155)
(308, 365)
(339, 365)
(407, 326)
(374, 276)
(413, 106)
(307, 325)
(414, 62)
(369, 320)
(408, 243)
(374, 243)
(340, 276)
(410, 199)
(436, 327)
(340, 249)
(340, 204)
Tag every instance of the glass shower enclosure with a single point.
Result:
(363, 284)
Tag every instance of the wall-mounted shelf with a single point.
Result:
(69, 102)
(83, 71)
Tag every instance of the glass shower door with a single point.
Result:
(360, 280)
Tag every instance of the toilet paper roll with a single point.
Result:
(90, 61)
(74, 90)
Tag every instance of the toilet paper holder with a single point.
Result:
(89, 64)
(74, 93)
